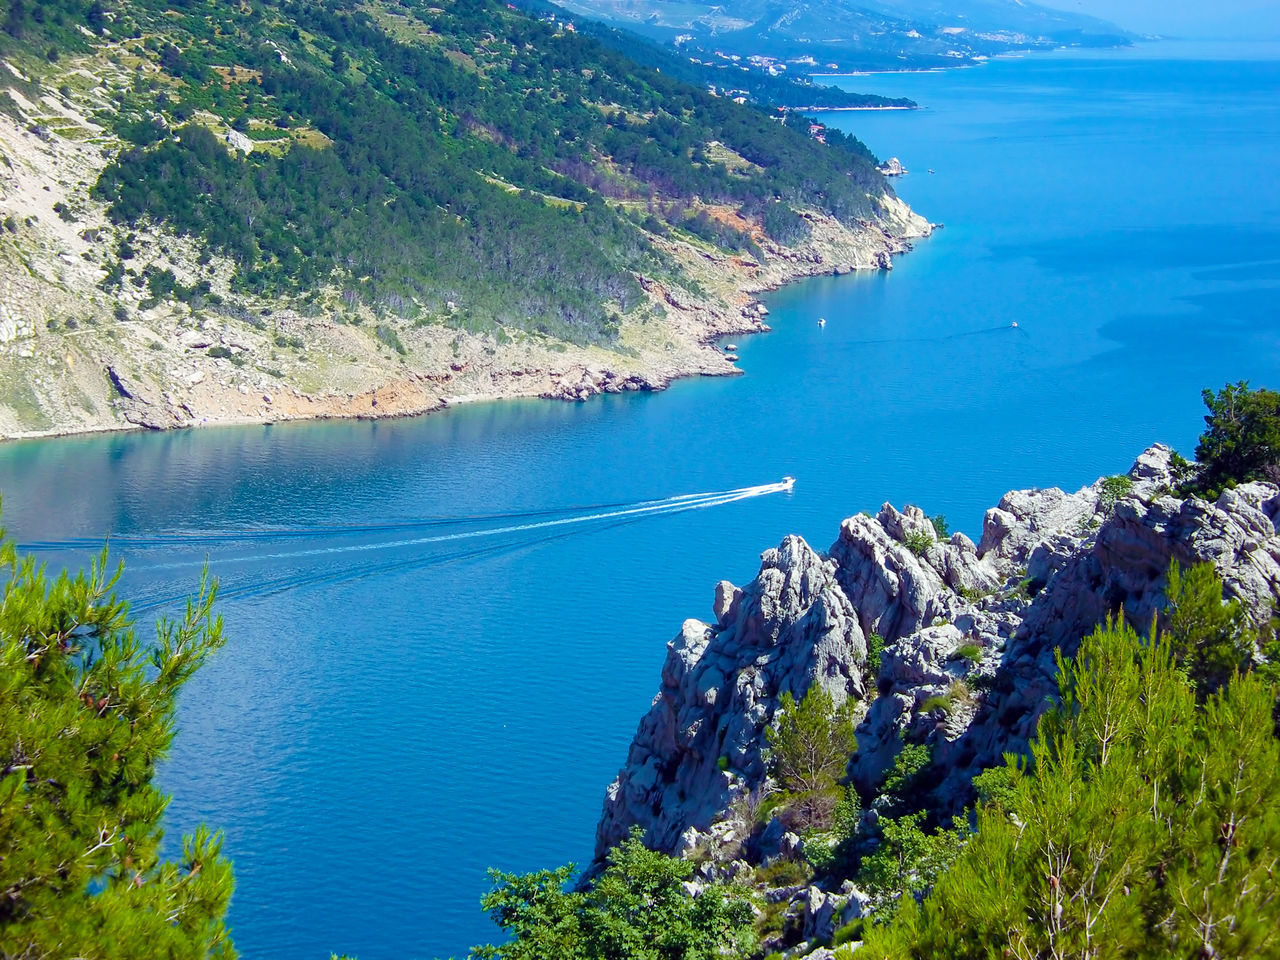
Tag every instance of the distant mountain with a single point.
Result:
(797, 36)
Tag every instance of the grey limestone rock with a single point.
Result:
(791, 627)
(979, 627)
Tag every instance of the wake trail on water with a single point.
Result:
(296, 581)
(196, 538)
(670, 505)
(284, 534)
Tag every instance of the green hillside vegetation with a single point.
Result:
(411, 155)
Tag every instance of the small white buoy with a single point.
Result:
(1015, 324)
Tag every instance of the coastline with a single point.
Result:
(846, 109)
(338, 376)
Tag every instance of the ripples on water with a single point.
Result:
(385, 722)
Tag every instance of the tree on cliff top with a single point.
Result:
(1241, 440)
(86, 712)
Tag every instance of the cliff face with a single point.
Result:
(1048, 568)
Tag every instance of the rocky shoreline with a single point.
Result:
(970, 633)
(166, 368)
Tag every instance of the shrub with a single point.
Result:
(387, 334)
(936, 702)
(969, 651)
(906, 774)
(638, 907)
(940, 526)
(219, 352)
(909, 860)
(1114, 489)
(875, 652)
(918, 542)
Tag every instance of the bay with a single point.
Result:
(394, 712)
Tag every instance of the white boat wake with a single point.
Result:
(553, 523)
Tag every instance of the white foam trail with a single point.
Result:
(676, 504)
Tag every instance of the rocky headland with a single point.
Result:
(970, 634)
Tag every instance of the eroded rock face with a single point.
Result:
(791, 627)
(977, 625)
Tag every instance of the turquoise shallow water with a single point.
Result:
(386, 722)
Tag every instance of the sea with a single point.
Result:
(442, 632)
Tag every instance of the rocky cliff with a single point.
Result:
(976, 626)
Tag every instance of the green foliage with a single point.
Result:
(969, 651)
(908, 860)
(812, 742)
(387, 334)
(940, 526)
(489, 163)
(875, 652)
(1114, 489)
(905, 776)
(936, 702)
(1241, 440)
(637, 909)
(784, 225)
(1211, 638)
(1182, 469)
(86, 713)
(828, 851)
(1022, 591)
(918, 541)
(1146, 825)
(996, 785)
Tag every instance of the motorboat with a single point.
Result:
(788, 482)
(822, 321)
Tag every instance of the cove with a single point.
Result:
(389, 723)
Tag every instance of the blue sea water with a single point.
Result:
(394, 712)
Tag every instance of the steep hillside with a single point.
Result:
(280, 209)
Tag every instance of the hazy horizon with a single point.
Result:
(1227, 19)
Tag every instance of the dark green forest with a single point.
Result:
(410, 154)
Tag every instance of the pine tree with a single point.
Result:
(86, 712)
(1146, 824)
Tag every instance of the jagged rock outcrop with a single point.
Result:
(699, 746)
(975, 627)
